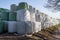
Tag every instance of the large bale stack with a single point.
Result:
(25, 27)
(37, 21)
(23, 19)
(22, 12)
(12, 22)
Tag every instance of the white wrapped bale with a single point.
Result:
(37, 16)
(46, 21)
(29, 27)
(24, 27)
(37, 21)
(37, 26)
(37, 11)
(47, 25)
(30, 9)
(32, 13)
(23, 15)
(12, 26)
(41, 18)
(21, 29)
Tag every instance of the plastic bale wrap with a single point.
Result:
(25, 27)
(32, 13)
(12, 16)
(12, 27)
(22, 5)
(37, 26)
(29, 27)
(23, 15)
(21, 28)
(1, 27)
(4, 16)
(13, 8)
(5, 26)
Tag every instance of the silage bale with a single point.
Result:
(25, 27)
(23, 15)
(21, 28)
(12, 16)
(4, 16)
(1, 27)
(32, 13)
(22, 5)
(5, 26)
(37, 26)
(29, 27)
(12, 27)
(13, 8)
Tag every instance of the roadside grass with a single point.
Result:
(58, 26)
(52, 29)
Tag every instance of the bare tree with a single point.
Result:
(54, 4)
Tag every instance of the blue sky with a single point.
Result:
(35, 3)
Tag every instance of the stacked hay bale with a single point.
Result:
(28, 19)
(12, 22)
(12, 16)
(32, 17)
(42, 20)
(23, 19)
(12, 19)
(46, 21)
(12, 27)
(37, 21)
(4, 17)
(13, 8)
